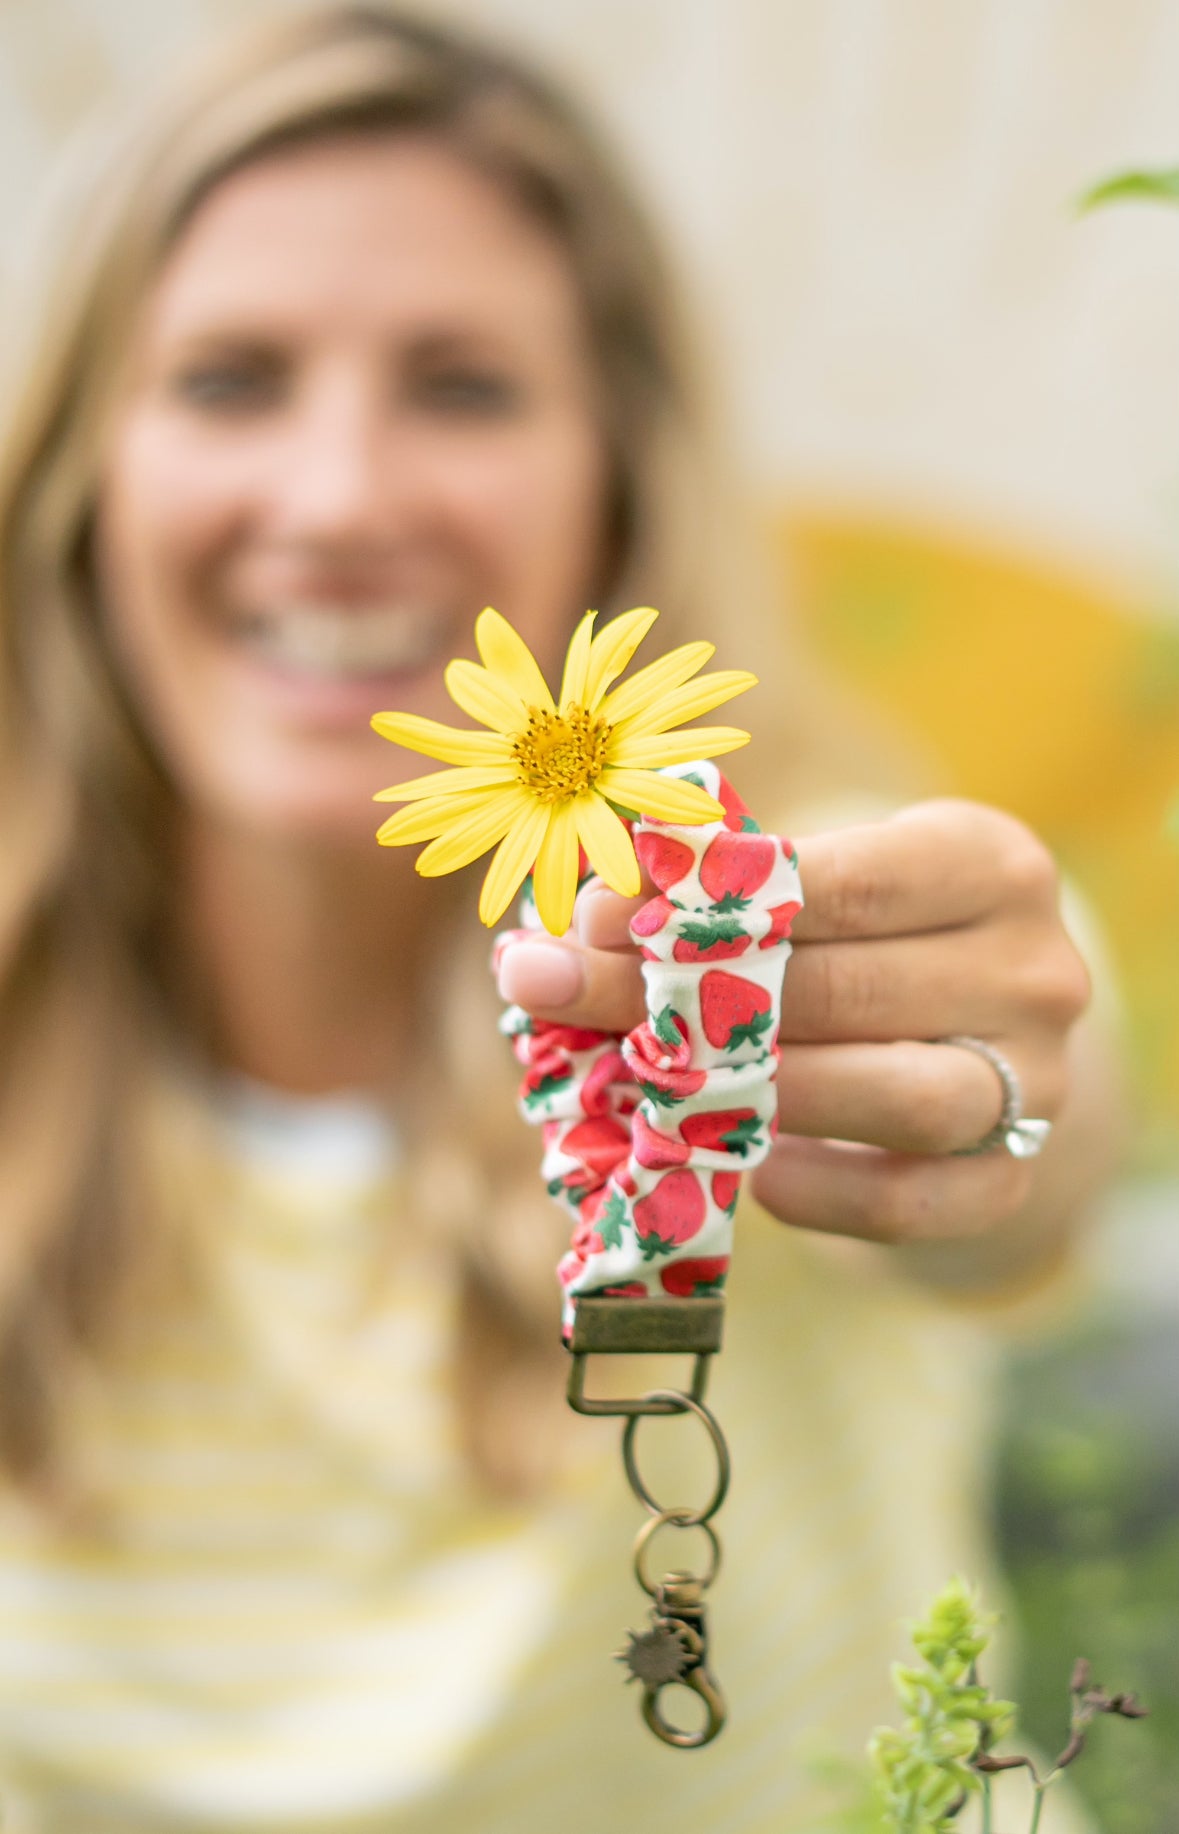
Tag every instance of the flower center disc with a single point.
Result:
(560, 754)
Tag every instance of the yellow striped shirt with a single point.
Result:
(299, 1614)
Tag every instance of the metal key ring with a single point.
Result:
(673, 1518)
(687, 1518)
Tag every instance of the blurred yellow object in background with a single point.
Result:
(1048, 695)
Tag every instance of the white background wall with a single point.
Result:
(874, 200)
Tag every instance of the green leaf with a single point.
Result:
(740, 1138)
(703, 933)
(610, 1223)
(665, 1028)
(548, 1085)
(1158, 187)
(750, 1032)
(575, 1193)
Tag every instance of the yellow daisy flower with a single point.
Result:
(551, 774)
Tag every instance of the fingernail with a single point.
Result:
(539, 975)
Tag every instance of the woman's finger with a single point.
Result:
(907, 1096)
(602, 918)
(878, 1196)
(934, 866)
(999, 978)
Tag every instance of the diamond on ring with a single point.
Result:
(1022, 1137)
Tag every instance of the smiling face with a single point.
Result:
(359, 408)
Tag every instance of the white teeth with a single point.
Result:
(345, 642)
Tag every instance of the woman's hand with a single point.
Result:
(943, 919)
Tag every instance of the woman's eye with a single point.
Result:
(479, 393)
(227, 387)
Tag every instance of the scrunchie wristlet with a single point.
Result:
(646, 1135)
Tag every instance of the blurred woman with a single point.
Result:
(355, 331)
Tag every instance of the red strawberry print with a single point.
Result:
(658, 1054)
(655, 1150)
(714, 939)
(587, 1238)
(606, 1070)
(626, 1289)
(599, 1143)
(734, 867)
(567, 1037)
(537, 1053)
(694, 1274)
(575, 1187)
(672, 1213)
(652, 917)
(725, 1186)
(726, 1130)
(733, 1011)
(667, 860)
(568, 1269)
(737, 816)
(667, 1087)
(781, 922)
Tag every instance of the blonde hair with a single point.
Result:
(84, 802)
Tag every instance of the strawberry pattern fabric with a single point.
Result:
(646, 1135)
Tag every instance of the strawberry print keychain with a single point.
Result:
(645, 1139)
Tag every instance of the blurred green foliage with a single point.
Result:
(1088, 1519)
(1157, 186)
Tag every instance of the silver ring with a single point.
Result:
(1022, 1137)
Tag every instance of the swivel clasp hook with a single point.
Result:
(673, 1651)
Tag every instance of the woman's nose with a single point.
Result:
(342, 481)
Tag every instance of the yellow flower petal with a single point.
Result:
(656, 680)
(554, 877)
(607, 843)
(510, 660)
(613, 648)
(421, 821)
(688, 702)
(466, 839)
(666, 798)
(659, 748)
(448, 743)
(451, 782)
(513, 861)
(577, 662)
(484, 697)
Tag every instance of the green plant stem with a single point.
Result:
(986, 1806)
(1038, 1808)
